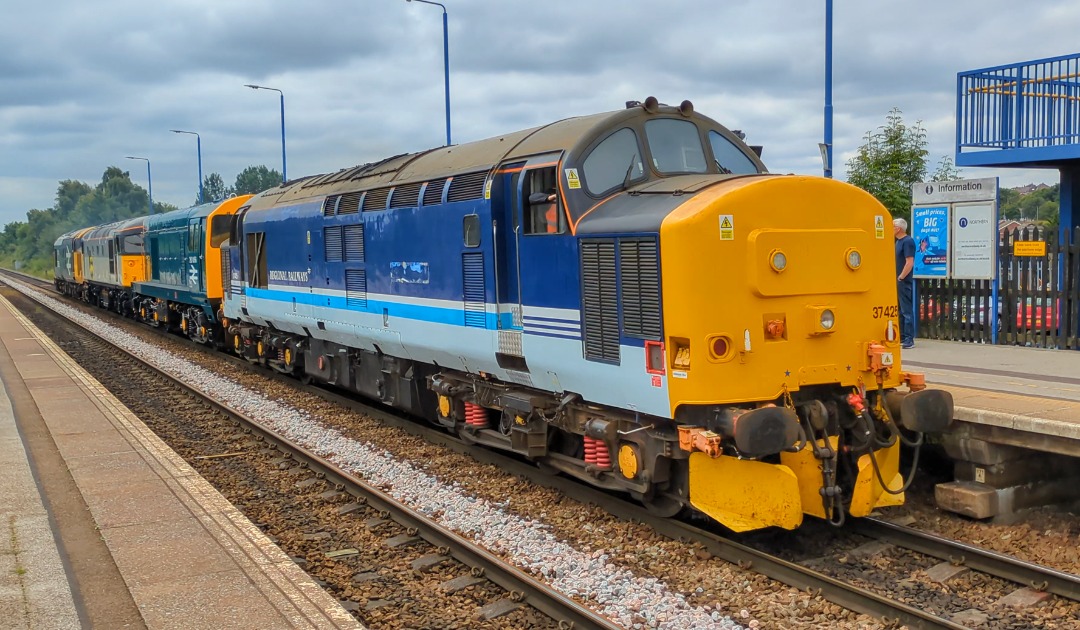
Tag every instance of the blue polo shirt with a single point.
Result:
(905, 248)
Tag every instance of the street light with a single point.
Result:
(827, 150)
(198, 148)
(149, 182)
(446, 61)
(282, 94)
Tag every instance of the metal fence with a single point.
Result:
(1032, 104)
(1038, 301)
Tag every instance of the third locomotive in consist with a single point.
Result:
(627, 297)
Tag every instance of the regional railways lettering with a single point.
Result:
(289, 276)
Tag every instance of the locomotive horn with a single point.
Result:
(651, 105)
(686, 108)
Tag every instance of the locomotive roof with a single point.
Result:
(181, 216)
(482, 155)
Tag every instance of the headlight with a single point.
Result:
(854, 259)
(827, 319)
(778, 260)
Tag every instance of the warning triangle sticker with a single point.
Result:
(726, 223)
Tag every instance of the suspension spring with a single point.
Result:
(597, 453)
(476, 416)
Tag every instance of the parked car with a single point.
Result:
(932, 309)
(1038, 313)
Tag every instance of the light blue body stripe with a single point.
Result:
(419, 312)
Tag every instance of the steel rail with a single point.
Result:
(1038, 577)
(521, 586)
(849, 596)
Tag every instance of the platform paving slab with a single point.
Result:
(34, 589)
(187, 556)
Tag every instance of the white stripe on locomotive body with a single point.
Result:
(554, 354)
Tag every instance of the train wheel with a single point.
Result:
(662, 505)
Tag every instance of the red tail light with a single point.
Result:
(654, 357)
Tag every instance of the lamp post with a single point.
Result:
(149, 182)
(282, 94)
(446, 61)
(198, 148)
(827, 149)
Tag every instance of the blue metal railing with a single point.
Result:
(1027, 105)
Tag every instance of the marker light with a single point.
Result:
(827, 319)
(720, 347)
(854, 258)
(778, 260)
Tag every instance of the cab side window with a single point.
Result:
(543, 208)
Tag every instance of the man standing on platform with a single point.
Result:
(905, 283)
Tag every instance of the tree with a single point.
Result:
(255, 179)
(213, 188)
(893, 158)
(946, 170)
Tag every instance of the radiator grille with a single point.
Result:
(350, 203)
(332, 243)
(467, 186)
(376, 199)
(472, 265)
(329, 205)
(640, 278)
(354, 243)
(226, 272)
(599, 300)
(407, 196)
(433, 192)
(355, 288)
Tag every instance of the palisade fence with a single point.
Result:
(1038, 297)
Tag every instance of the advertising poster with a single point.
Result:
(974, 241)
(930, 231)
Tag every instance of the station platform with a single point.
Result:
(1012, 388)
(1016, 438)
(105, 526)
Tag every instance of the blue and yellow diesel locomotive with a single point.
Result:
(628, 298)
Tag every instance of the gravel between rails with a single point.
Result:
(1049, 538)
(588, 572)
(673, 570)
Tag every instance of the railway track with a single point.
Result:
(1008, 568)
(850, 596)
(520, 588)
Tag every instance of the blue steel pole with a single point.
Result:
(198, 150)
(446, 71)
(446, 60)
(284, 178)
(198, 153)
(284, 174)
(149, 188)
(995, 278)
(149, 182)
(828, 89)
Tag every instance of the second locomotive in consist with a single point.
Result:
(628, 298)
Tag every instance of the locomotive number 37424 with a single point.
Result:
(885, 311)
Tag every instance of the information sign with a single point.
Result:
(974, 251)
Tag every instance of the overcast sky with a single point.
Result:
(83, 84)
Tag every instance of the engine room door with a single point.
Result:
(505, 211)
(193, 266)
